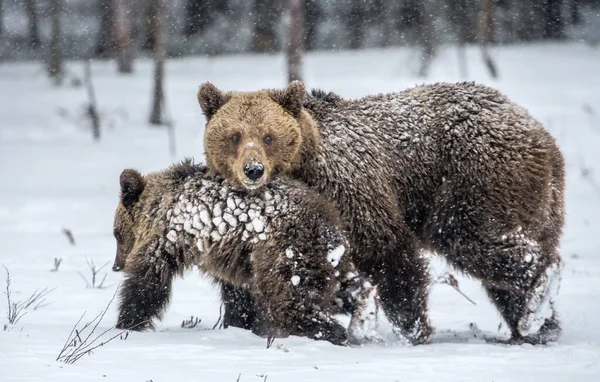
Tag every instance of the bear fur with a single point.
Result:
(278, 251)
(457, 169)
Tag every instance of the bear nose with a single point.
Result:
(116, 267)
(254, 170)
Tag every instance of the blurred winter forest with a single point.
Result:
(126, 29)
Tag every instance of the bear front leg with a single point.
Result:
(146, 290)
(386, 251)
(295, 287)
(239, 309)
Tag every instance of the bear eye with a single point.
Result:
(235, 138)
(268, 139)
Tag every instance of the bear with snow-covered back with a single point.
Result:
(457, 169)
(282, 246)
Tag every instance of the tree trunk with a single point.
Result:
(55, 70)
(575, 12)
(553, 25)
(123, 33)
(355, 24)
(149, 33)
(34, 35)
(105, 45)
(266, 13)
(427, 32)
(312, 16)
(1, 17)
(486, 34)
(295, 40)
(390, 24)
(160, 48)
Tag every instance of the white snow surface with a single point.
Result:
(53, 176)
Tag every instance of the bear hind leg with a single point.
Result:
(520, 277)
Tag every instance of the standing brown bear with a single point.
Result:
(457, 169)
(283, 244)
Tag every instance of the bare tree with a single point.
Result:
(160, 42)
(486, 34)
(312, 16)
(105, 45)
(150, 16)
(427, 33)
(389, 14)
(295, 40)
(553, 25)
(123, 33)
(266, 13)
(55, 64)
(92, 112)
(34, 35)
(355, 23)
(1, 17)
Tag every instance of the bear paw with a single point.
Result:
(540, 305)
(332, 332)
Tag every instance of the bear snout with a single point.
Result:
(116, 267)
(254, 170)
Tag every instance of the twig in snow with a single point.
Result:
(449, 279)
(220, 317)
(190, 323)
(270, 340)
(18, 309)
(95, 272)
(75, 347)
(57, 262)
(69, 235)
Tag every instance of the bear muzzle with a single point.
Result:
(254, 171)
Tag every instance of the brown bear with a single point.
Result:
(281, 247)
(457, 169)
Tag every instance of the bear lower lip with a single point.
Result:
(251, 184)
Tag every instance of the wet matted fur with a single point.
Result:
(457, 169)
(277, 252)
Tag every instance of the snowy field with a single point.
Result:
(53, 176)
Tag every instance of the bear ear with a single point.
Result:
(292, 98)
(211, 99)
(132, 185)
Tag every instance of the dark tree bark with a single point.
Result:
(295, 40)
(149, 31)
(356, 23)
(34, 34)
(391, 10)
(553, 25)
(55, 64)
(1, 17)
(575, 12)
(312, 17)
(105, 45)
(427, 33)
(92, 109)
(486, 34)
(160, 49)
(123, 32)
(267, 14)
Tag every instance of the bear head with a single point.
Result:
(250, 137)
(132, 186)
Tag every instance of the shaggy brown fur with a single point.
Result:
(454, 168)
(276, 252)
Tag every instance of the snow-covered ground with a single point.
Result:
(53, 176)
